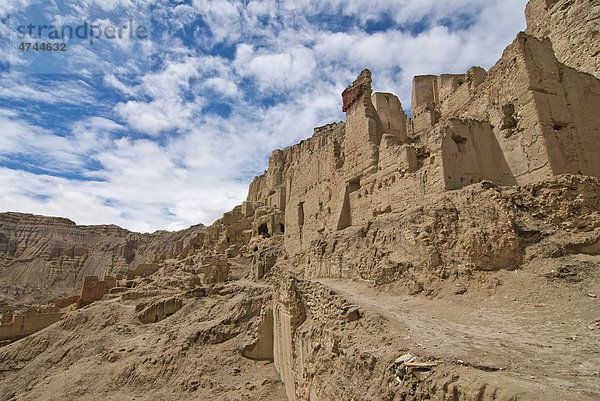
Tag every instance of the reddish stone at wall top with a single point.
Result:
(361, 85)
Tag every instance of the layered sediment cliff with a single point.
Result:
(43, 258)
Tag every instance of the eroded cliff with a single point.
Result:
(43, 258)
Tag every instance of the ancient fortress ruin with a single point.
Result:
(530, 117)
(494, 172)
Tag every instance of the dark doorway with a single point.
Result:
(263, 230)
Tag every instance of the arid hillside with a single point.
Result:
(43, 258)
(450, 255)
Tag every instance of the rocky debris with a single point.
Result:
(208, 337)
(352, 312)
(566, 273)
(104, 349)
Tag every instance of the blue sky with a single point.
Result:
(168, 131)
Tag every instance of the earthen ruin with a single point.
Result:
(16, 326)
(389, 256)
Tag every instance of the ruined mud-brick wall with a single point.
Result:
(28, 323)
(64, 302)
(530, 117)
(574, 28)
(306, 174)
(93, 289)
(347, 174)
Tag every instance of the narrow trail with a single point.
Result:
(499, 334)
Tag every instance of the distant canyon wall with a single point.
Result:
(42, 258)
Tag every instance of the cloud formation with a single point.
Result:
(228, 82)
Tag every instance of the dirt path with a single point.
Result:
(550, 345)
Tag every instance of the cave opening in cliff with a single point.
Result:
(263, 230)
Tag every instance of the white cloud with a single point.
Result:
(276, 71)
(19, 86)
(166, 160)
(223, 86)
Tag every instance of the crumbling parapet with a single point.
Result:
(392, 116)
(363, 128)
(424, 114)
(94, 289)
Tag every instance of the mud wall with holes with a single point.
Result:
(573, 26)
(526, 119)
